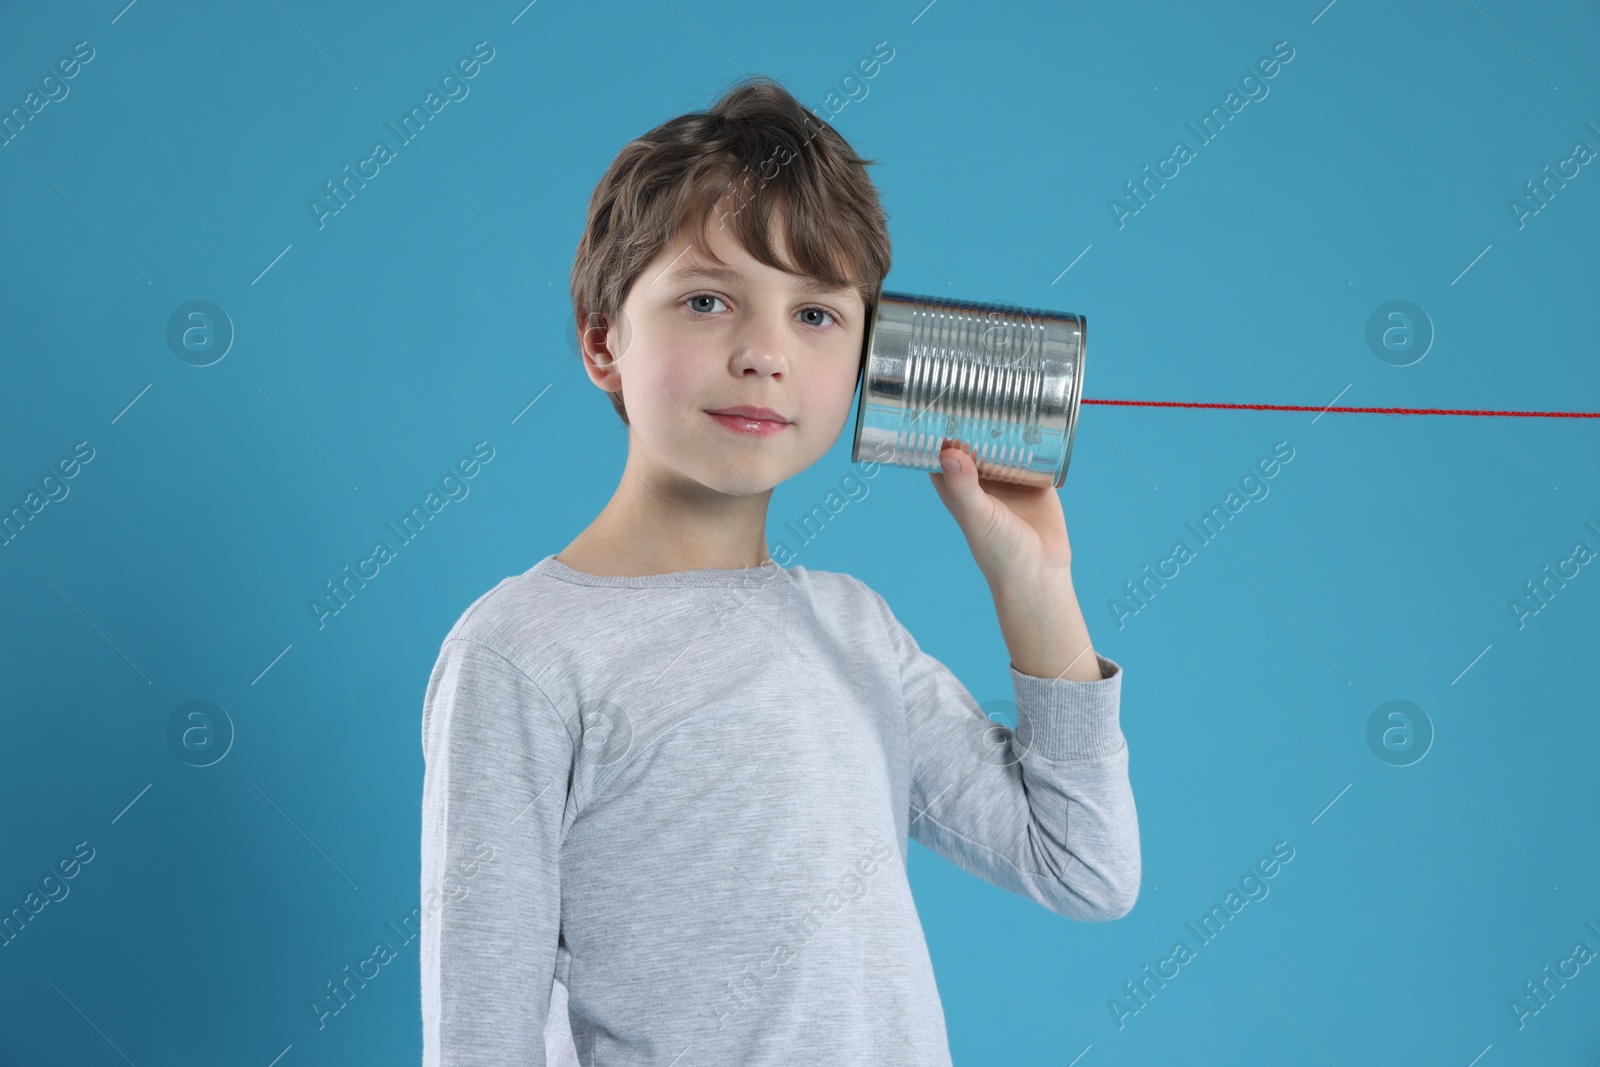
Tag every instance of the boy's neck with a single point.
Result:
(585, 559)
(602, 550)
(657, 523)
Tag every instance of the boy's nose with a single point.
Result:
(761, 347)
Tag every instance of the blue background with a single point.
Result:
(371, 353)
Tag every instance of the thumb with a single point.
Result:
(958, 486)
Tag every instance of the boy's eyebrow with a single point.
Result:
(806, 283)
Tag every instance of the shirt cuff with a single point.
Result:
(1063, 719)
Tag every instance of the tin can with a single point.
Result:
(1003, 381)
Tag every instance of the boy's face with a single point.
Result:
(690, 343)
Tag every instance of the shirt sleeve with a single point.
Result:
(1044, 810)
(498, 760)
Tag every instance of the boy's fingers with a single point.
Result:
(959, 488)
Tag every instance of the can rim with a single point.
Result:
(861, 370)
(1077, 399)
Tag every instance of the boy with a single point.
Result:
(669, 783)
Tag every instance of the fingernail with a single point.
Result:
(951, 464)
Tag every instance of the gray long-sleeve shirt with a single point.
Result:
(686, 797)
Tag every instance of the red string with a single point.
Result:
(1379, 411)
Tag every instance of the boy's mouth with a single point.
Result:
(762, 422)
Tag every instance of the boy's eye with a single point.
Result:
(702, 296)
(694, 303)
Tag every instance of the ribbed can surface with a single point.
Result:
(1004, 381)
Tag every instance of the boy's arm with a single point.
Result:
(1045, 811)
(1049, 814)
(1044, 629)
(494, 791)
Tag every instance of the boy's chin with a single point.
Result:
(747, 479)
(750, 483)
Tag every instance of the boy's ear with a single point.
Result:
(596, 338)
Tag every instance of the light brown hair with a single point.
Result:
(771, 156)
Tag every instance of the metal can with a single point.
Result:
(1003, 381)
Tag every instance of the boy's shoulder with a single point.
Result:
(517, 613)
(847, 599)
(833, 583)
